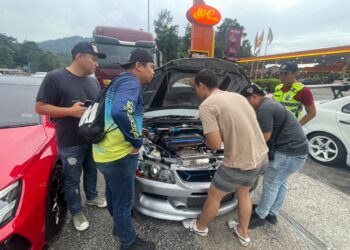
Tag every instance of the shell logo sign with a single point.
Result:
(203, 14)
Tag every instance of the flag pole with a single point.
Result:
(251, 75)
(263, 66)
(257, 67)
(261, 39)
(251, 71)
(148, 16)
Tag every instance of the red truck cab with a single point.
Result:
(117, 43)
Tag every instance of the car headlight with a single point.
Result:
(155, 172)
(9, 198)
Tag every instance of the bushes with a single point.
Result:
(268, 84)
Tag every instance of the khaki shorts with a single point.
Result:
(229, 179)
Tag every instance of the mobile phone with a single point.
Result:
(87, 103)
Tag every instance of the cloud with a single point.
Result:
(296, 24)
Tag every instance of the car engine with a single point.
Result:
(182, 143)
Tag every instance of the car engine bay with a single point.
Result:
(178, 141)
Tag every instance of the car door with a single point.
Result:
(343, 117)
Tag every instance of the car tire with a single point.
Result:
(326, 149)
(56, 206)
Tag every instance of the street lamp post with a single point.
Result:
(148, 15)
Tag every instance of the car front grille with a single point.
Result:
(197, 202)
(196, 176)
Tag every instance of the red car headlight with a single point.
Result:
(9, 198)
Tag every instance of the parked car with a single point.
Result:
(310, 81)
(329, 132)
(39, 74)
(176, 168)
(32, 206)
(342, 81)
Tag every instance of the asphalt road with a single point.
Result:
(318, 196)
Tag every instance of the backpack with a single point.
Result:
(92, 122)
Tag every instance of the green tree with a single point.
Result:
(221, 37)
(48, 62)
(65, 59)
(6, 57)
(185, 42)
(28, 55)
(8, 46)
(167, 36)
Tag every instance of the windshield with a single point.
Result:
(17, 105)
(117, 54)
(179, 90)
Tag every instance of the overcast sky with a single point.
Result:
(296, 24)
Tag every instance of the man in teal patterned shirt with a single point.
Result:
(117, 155)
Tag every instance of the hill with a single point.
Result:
(62, 45)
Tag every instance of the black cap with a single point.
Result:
(252, 89)
(86, 47)
(289, 67)
(138, 55)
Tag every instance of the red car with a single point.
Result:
(32, 206)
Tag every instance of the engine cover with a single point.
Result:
(174, 142)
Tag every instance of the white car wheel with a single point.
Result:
(326, 148)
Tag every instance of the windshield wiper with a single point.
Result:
(19, 125)
(170, 117)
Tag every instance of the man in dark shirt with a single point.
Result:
(61, 96)
(284, 133)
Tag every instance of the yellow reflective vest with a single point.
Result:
(287, 98)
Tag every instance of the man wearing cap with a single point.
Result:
(116, 156)
(61, 96)
(286, 138)
(294, 95)
(228, 119)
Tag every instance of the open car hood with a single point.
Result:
(173, 84)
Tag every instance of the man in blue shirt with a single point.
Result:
(116, 156)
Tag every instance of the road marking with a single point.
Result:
(304, 233)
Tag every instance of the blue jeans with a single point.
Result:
(75, 159)
(275, 185)
(120, 178)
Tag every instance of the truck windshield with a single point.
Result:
(116, 54)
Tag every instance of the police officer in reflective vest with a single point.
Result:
(294, 95)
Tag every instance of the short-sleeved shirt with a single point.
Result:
(304, 96)
(292, 139)
(231, 115)
(61, 88)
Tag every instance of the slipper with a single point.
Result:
(234, 225)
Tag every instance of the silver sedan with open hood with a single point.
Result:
(176, 168)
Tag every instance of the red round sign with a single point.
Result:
(204, 14)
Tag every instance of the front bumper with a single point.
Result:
(176, 202)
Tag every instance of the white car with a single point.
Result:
(329, 132)
(342, 81)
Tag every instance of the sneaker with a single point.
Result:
(80, 222)
(98, 202)
(114, 231)
(140, 244)
(256, 221)
(272, 219)
(253, 208)
(234, 225)
(190, 224)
